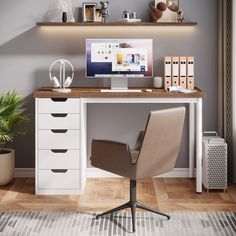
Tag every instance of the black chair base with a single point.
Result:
(132, 204)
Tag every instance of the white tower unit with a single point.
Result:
(214, 161)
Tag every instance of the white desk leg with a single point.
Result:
(83, 141)
(191, 139)
(199, 145)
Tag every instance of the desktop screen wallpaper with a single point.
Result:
(119, 57)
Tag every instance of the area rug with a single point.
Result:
(22, 223)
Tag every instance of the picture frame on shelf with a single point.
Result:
(89, 11)
(98, 14)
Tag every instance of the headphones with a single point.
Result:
(63, 82)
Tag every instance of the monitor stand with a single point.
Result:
(119, 83)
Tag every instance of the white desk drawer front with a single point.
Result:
(59, 158)
(65, 139)
(59, 179)
(59, 121)
(59, 105)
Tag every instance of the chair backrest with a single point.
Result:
(161, 142)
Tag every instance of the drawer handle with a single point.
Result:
(59, 99)
(57, 131)
(59, 115)
(59, 150)
(59, 170)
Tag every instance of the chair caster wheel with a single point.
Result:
(168, 217)
(97, 217)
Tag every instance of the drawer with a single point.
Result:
(59, 121)
(59, 105)
(59, 139)
(59, 179)
(59, 158)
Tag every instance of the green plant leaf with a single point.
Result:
(11, 116)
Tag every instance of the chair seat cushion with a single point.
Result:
(134, 155)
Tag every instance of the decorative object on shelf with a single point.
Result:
(173, 5)
(167, 15)
(180, 15)
(97, 14)
(73, 15)
(158, 82)
(125, 15)
(128, 16)
(12, 115)
(156, 11)
(63, 83)
(88, 11)
(65, 6)
(133, 15)
(64, 17)
(105, 12)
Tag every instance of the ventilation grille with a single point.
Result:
(215, 167)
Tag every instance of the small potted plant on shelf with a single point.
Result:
(11, 116)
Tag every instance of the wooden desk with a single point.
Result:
(93, 95)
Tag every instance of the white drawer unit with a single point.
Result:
(58, 105)
(58, 179)
(59, 139)
(59, 121)
(59, 159)
(59, 168)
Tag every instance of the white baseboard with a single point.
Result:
(97, 173)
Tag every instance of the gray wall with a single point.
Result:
(26, 51)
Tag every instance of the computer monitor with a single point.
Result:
(119, 59)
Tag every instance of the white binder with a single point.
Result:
(183, 72)
(167, 72)
(175, 71)
(190, 73)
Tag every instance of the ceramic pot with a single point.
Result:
(158, 82)
(7, 166)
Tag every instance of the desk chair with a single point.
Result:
(158, 154)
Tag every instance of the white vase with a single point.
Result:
(158, 82)
(7, 166)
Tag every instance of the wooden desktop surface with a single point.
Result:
(92, 92)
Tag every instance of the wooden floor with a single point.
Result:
(167, 194)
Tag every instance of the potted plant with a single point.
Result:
(11, 116)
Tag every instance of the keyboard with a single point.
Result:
(121, 90)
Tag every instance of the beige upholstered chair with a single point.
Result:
(158, 154)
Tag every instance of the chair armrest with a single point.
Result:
(112, 156)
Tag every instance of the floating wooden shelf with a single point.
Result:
(117, 24)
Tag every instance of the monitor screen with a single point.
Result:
(119, 58)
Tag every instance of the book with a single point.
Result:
(178, 89)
